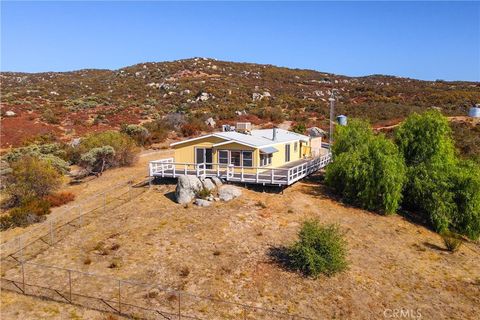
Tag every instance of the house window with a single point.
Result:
(287, 152)
(247, 159)
(223, 156)
(295, 147)
(235, 158)
(265, 159)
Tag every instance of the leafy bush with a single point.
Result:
(32, 178)
(138, 133)
(60, 198)
(159, 130)
(53, 153)
(30, 211)
(451, 240)
(424, 138)
(189, 130)
(299, 128)
(50, 117)
(320, 249)
(125, 147)
(445, 190)
(369, 173)
(98, 159)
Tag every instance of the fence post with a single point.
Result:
(179, 307)
(51, 232)
(80, 216)
(70, 284)
(23, 277)
(129, 192)
(104, 201)
(119, 298)
(21, 248)
(244, 313)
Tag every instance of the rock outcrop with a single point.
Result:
(187, 188)
(228, 192)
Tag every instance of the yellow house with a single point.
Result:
(267, 156)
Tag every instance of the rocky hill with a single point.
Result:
(70, 104)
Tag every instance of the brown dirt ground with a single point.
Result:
(223, 251)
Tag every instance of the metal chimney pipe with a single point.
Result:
(274, 134)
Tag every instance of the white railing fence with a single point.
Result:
(168, 168)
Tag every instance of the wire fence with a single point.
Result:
(124, 297)
(28, 245)
(127, 298)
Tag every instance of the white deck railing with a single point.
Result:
(262, 175)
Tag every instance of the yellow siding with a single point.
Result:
(185, 152)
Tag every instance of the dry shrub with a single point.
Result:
(60, 198)
(452, 241)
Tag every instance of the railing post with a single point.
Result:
(218, 170)
(119, 298)
(51, 232)
(163, 170)
(256, 174)
(179, 307)
(174, 171)
(185, 168)
(23, 277)
(272, 174)
(242, 174)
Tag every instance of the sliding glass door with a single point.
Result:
(204, 155)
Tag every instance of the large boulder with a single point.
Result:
(10, 113)
(208, 184)
(228, 192)
(187, 188)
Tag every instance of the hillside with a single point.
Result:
(70, 104)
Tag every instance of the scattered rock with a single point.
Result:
(187, 187)
(202, 203)
(217, 181)
(210, 122)
(228, 192)
(10, 113)
(204, 96)
(316, 132)
(208, 184)
(259, 96)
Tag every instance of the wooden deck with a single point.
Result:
(281, 176)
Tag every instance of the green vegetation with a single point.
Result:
(98, 159)
(204, 193)
(443, 188)
(319, 250)
(138, 133)
(53, 153)
(299, 128)
(31, 178)
(29, 211)
(125, 149)
(368, 170)
(423, 174)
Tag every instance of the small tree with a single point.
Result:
(98, 159)
(299, 128)
(319, 249)
(32, 178)
(368, 170)
(139, 133)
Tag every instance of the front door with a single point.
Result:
(204, 155)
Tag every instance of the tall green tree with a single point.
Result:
(367, 171)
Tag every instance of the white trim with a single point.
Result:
(197, 138)
(234, 141)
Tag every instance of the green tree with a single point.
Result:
(97, 159)
(32, 178)
(424, 138)
(367, 171)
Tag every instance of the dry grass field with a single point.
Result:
(223, 252)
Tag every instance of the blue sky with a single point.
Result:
(424, 40)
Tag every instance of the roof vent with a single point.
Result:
(244, 127)
(274, 133)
